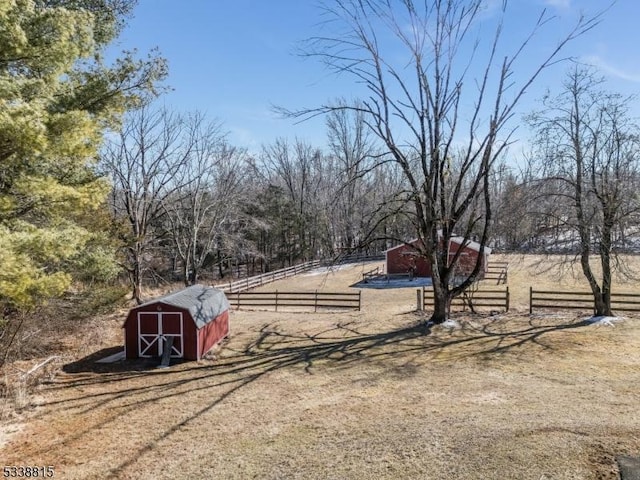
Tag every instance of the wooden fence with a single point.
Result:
(323, 300)
(498, 271)
(371, 274)
(557, 300)
(265, 278)
(357, 258)
(473, 299)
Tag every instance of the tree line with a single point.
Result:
(189, 204)
(98, 181)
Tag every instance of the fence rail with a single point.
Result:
(265, 278)
(473, 299)
(498, 271)
(324, 300)
(371, 274)
(557, 300)
(357, 258)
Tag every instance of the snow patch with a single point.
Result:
(325, 270)
(450, 324)
(382, 282)
(602, 320)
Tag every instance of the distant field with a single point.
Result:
(360, 395)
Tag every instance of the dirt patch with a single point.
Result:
(369, 394)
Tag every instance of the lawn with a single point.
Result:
(369, 394)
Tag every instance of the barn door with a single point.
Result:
(172, 326)
(154, 327)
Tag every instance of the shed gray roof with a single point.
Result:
(203, 303)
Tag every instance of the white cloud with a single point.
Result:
(611, 70)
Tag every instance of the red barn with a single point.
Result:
(197, 318)
(405, 257)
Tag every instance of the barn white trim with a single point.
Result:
(146, 341)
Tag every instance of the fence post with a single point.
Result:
(276, 300)
(418, 302)
(359, 299)
(507, 300)
(315, 306)
(530, 300)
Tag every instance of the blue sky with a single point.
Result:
(234, 59)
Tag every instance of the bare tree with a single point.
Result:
(443, 128)
(351, 146)
(203, 211)
(144, 160)
(590, 150)
(522, 210)
(293, 170)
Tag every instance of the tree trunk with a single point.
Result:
(605, 260)
(441, 294)
(185, 272)
(602, 305)
(136, 283)
(441, 308)
(220, 265)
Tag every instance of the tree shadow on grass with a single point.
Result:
(535, 332)
(274, 349)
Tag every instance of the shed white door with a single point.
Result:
(154, 327)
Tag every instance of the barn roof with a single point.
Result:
(203, 303)
(473, 245)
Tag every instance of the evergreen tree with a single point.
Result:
(57, 99)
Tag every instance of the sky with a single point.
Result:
(234, 60)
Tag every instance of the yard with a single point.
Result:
(369, 394)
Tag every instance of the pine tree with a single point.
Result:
(57, 100)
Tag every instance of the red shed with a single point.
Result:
(403, 258)
(197, 318)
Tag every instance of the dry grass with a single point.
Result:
(368, 394)
(557, 272)
(51, 336)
